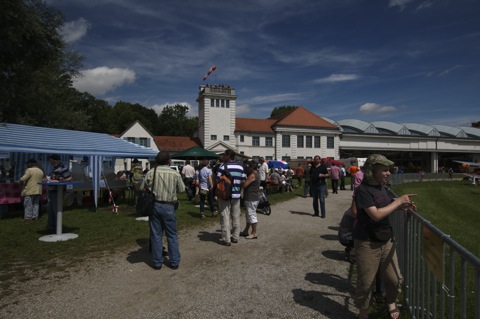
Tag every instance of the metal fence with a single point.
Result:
(441, 278)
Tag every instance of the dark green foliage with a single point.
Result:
(282, 109)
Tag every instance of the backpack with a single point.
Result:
(223, 189)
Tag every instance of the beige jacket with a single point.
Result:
(30, 180)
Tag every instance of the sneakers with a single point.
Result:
(203, 216)
(251, 237)
(215, 213)
(233, 240)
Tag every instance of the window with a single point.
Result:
(226, 138)
(242, 138)
(309, 142)
(131, 139)
(222, 103)
(269, 141)
(212, 103)
(285, 140)
(213, 137)
(227, 105)
(144, 141)
(255, 140)
(269, 158)
(300, 141)
(317, 141)
(330, 142)
(217, 102)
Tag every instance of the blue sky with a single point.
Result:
(415, 61)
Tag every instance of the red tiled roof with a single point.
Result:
(254, 125)
(303, 117)
(296, 117)
(176, 143)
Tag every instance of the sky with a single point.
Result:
(404, 61)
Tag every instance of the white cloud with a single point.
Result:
(334, 78)
(74, 30)
(158, 108)
(243, 109)
(448, 71)
(103, 79)
(368, 108)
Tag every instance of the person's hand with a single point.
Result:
(406, 202)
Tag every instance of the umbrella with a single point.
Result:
(277, 164)
(331, 161)
(195, 152)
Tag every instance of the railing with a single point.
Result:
(441, 277)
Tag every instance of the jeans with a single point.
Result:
(335, 186)
(211, 201)
(318, 193)
(31, 204)
(164, 219)
(306, 189)
(230, 214)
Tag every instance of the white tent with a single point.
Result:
(22, 142)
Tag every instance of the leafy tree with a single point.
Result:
(36, 68)
(282, 109)
(173, 121)
(476, 124)
(124, 114)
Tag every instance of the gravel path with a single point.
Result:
(293, 270)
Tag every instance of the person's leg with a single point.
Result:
(323, 190)
(211, 203)
(316, 196)
(252, 214)
(352, 180)
(169, 223)
(27, 208)
(368, 259)
(224, 207)
(156, 233)
(35, 205)
(235, 214)
(391, 277)
(202, 203)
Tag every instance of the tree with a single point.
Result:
(282, 109)
(173, 121)
(124, 114)
(476, 124)
(36, 68)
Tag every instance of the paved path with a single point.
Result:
(293, 270)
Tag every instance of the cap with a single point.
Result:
(377, 159)
(54, 157)
(32, 161)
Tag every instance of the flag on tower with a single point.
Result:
(213, 68)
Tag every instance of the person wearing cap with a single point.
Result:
(318, 174)
(31, 190)
(59, 173)
(373, 235)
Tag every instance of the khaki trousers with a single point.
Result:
(373, 256)
(230, 219)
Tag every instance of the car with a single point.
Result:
(175, 168)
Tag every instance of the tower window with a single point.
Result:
(213, 137)
(226, 138)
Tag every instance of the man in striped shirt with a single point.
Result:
(230, 209)
(165, 187)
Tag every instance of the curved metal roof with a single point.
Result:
(451, 131)
(471, 131)
(359, 126)
(422, 129)
(392, 127)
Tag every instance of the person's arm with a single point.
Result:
(210, 181)
(402, 202)
(248, 181)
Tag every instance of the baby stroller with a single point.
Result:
(263, 203)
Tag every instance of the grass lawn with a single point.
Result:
(100, 233)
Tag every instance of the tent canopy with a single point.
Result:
(34, 139)
(15, 138)
(195, 152)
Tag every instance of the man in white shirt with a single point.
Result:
(188, 173)
(263, 172)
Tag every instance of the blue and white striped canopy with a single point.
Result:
(34, 139)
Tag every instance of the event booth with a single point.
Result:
(91, 156)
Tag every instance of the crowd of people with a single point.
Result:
(365, 227)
